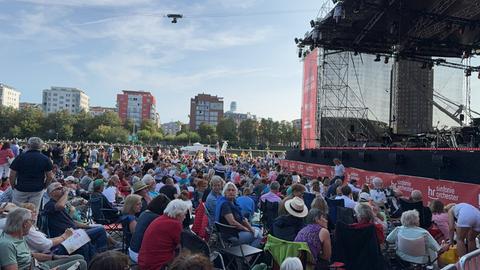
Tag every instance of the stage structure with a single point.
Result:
(415, 35)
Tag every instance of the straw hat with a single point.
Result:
(137, 186)
(296, 207)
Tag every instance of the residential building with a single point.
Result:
(205, 108)
(233, 106)
(9, 96)
(171, 128)
(137, 106)
(25, 105)
(239, 117)
(69, 99)
(97, 110)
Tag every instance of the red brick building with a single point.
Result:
(137, 106)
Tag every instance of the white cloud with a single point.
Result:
(76, 3)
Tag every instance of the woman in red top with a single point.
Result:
(162, 237)
(123, 186)
(5, 154)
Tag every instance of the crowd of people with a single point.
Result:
(51, 194)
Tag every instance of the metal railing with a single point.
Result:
(470, 261)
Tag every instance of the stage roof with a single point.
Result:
(411, 28)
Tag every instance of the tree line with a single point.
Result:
(108, 127)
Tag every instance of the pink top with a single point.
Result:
(4, 154)
(442, 222)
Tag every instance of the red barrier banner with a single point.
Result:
(432, 189)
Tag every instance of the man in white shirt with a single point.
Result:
(347, 197)
(377, 193)
(339, 169)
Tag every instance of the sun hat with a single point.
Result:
(296, 207)
(71, 179)
(53, 186)
(137, 186)
(364, 197)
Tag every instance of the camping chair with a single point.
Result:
(332, 211)
(98, 216)
(345, 215)
(227, 236)
(200, 222)
(425, 220)
(126, 234)
(358, 248)
(308, 199)
(416, 248)
(195, 244)
(269, 212)
(281, 249)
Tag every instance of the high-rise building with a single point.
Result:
(171, 128)
(233, 106)
(412, 93)
(9, 96)
(205, 108)
(97, 110)
(137, 106)
(57, 99)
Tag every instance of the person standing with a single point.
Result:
(30, 174)
(339, 169)
(6, 155)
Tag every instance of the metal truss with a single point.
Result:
(341, 113)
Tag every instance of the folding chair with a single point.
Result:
(225, 235)
(332, 211)
(417, 249)
(345, 215)
(358, 248)
(97, 210)
(269, 212)
(195, 244)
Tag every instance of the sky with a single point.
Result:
(242, 51)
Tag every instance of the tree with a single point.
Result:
(81, 125)
(59, 125)
(181, 138)
(157, 137)
(206, 132)
(227, 130)
(149, 125)
(27, 123)
(193, 137)
(248, 132)
(144, 135)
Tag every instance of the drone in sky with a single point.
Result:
(174, 17)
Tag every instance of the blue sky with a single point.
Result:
(240, 50)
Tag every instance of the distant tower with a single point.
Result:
(233, 106)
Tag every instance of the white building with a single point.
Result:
(171, 128)
(9, 97)
(57, 99)
(98, 110)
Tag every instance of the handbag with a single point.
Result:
(450, 256)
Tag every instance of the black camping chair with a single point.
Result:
(195, 244)
(358, 248)
(269, 212)
(228, 237)
(345, 215)
(332, 211)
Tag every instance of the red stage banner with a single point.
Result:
(309, 100)
(432, 189)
